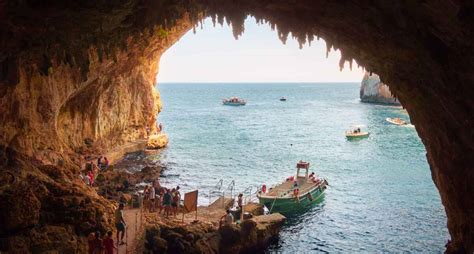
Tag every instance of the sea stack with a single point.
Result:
(372, 90)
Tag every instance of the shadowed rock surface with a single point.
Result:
(76, 78)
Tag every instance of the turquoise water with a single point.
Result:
(381, 197)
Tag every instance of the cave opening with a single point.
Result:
(198, 71)
(78, 79)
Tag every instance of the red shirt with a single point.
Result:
(109, 245)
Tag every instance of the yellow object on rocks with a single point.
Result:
(157, 141)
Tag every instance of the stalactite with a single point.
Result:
(220, 19)
(214, 18)
(328, 49)
(310, 38)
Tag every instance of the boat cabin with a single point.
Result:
(302, 165)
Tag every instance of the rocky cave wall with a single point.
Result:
(76, 77)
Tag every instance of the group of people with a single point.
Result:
(92, 169)
(158, 129)
(103, 163)
(167, 200)
(228, 217)
(89, 174)
(97, 245)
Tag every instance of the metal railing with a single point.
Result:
(216, 190)
(250, 194)
(230, 189)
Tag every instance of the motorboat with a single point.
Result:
(396, 121)
(356, 133)
(295, 192)
(234, 101)
(282, 99)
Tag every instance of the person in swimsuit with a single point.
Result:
(120, 224)
(167, 202)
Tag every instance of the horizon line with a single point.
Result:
(258, 82)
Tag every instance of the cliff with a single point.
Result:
(82, 93)
(372, 90)
(76, 78)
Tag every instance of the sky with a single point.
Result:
(212, 54)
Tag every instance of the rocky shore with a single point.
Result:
(163, 235)
(159, 234)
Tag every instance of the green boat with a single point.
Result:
(295, 193)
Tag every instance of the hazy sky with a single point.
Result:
(213, 55)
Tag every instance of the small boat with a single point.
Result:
(234, 101)
(282, 99)
(396, 121)
(355, 133)
(295, 193)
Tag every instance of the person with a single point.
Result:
(151, 197)
(120, 224)
(99, 161)
(146, 197)
(87, 179)
(97, 244)
(240, 201)
(174, 201)
(126, 183)
(228, 218)
(167, 202)
(160, 201)
(108, 243)
(105, 164)
(90, 242)
(91, 178)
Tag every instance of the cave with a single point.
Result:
(77, 78)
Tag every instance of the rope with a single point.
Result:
(273, 204)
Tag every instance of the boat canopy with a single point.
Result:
(302, 165)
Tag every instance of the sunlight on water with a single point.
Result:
(381, 196)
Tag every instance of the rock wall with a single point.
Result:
(76, 77)
(85, 91)
(372, 90)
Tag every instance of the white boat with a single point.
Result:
(396, 121)
(234, 101)
(356, 132)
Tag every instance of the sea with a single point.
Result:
(380, 199)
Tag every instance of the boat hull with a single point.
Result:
(395, 122)
(287, 206)
(234, 103)
(352, 137)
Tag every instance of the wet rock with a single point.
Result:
(230, 239)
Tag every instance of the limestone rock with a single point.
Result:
(157, 141)
(374, 91)
(70, 88)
